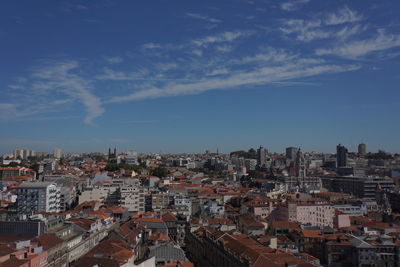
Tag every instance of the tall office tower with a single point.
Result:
(261, 157)
(341, 156)
(362, 149)
(300, 165)
(291, 153)
(57, 153)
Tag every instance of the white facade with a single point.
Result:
(183, 205)
(38, 197)
(57, 153)
(23, 153)
(131, 158)
(99, 193)
(132, 198)
(316, 214)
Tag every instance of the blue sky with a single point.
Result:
(185, 76)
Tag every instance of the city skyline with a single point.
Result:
(175, 76)
(114, 151)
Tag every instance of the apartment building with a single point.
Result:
(33, 197)
(132, 198)
(315, 212)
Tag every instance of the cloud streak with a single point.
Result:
(202, 17)
(223, 37)
(55, 78)
(326, 26)
(287, 70)
(293, 5)
(114, 60)
(344, 15)
(353, 50)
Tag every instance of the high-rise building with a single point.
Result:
(23, 153)
(261, 157)
(132, 198)
(291, 153)
(341, 156)
(57, 153)
(131, 158)
(18, 153)
(33, 197)
(362, 149)
(300, 165)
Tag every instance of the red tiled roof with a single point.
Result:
(143, 220)
(285, 225)
(250, 221)
(5, 250)
(111, 249)
(159, 236)
(48, 240)
(169, 217)
(82, 222)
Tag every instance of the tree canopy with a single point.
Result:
(244, 154)
(160, 172)
(116, 166)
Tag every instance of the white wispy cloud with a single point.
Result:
(197, 52)
(58, 77)
(270, 56)
(286, 71)
(151, 46)
(293, 5)
(305, 30)
(221, 37)
(343, 15)
(324, 27)
(114, 60)
(166, 66)
(224, 48)
(218, 72)
(19, 110)
(348, 31)
(7, 110)
(382, 41)
(113, 75)
(71, 6)
(202, 17)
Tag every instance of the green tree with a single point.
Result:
(115, 167)
(160, 172)
(244, 154)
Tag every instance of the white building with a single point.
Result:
(57, 153)
(131, 158)
(132, 198)
(183, 206)
(23, 153)
(311, 211)
(33, 197)
(50, 164)
(100, 193)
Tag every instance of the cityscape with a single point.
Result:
(247, 208)
(171, 133)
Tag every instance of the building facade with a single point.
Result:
(36, 197)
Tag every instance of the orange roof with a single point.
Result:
(144, 220)
(311, 233)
